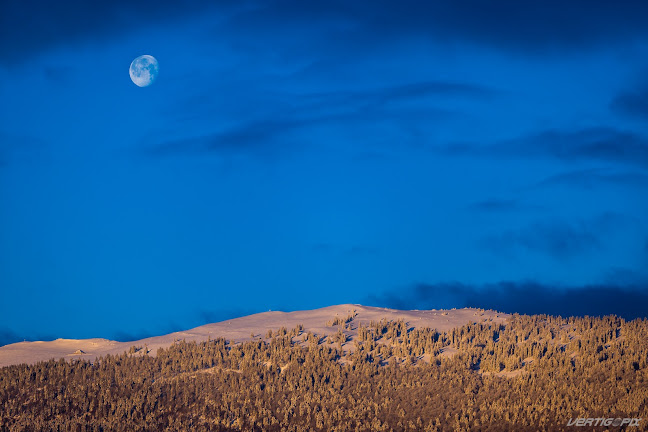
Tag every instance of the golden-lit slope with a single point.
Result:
(241, 330)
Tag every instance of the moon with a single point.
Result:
(143, 70)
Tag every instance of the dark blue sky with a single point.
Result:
(299, 154)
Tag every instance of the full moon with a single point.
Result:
(143, 70)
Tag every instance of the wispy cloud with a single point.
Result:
(253, 137)
(595, 177)
(560, 240)
(597, 144)
(632, 103)
(421, 90)
(499, 205)
(334, 110)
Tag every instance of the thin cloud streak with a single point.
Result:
(559, 240)
(633, 104)
(593, 178)
(593, 144)
(499, 205)
(332, 110)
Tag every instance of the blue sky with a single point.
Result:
(294, 155)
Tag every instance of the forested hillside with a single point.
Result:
(532, 373)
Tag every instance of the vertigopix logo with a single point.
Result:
(614, 422)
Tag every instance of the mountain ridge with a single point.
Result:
(250, 327)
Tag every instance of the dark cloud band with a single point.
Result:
(628, 302)
(530, 27)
